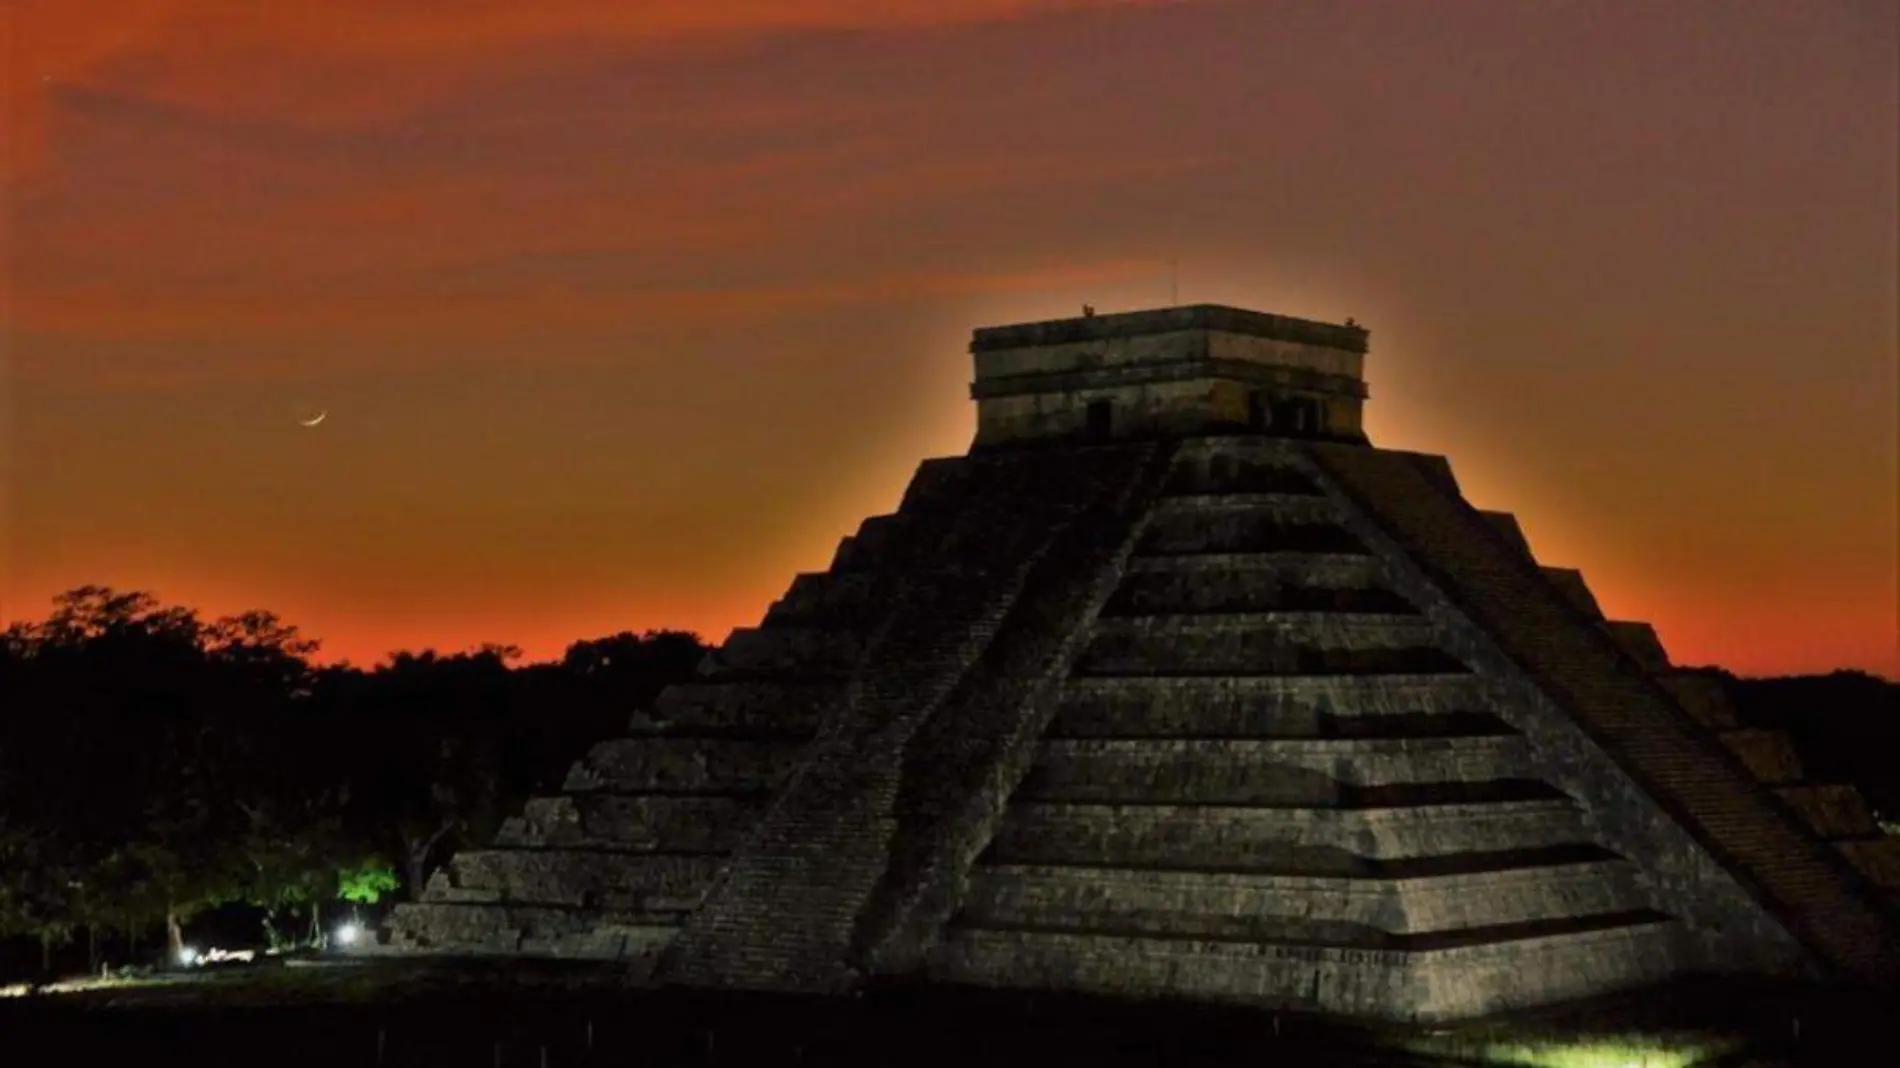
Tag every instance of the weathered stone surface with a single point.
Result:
(1267, 524)
(1879, 857)
(868, 548)
(673, 765)
(646, 882)
(1508, 529)
(1834, 811)
(1202, 472)
(1428, 986)
(1283, 839)
(1702, 697)
(966, 760)
(1255, 706)
(809, 650)
(1465, 981)
(1272, 643)
(631, 824)
(520, 931)
(1767, 754)
(1274, 583)
(1300, 773)
(762, 707)
(1639, 640)
(1176, 371)
(827, 598)
(1252, 907)
(1569, 582)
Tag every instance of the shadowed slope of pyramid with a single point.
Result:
(1176, 687)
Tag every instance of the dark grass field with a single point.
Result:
(472, 1016)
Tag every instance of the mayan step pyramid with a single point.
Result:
(1174, 686)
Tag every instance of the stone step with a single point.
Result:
(1311, 725)
(1833, 810)
(1569, 583)
(800, 650)
(1197, 590)
(1425, 985)
(772, 707)
(1265, 908)
(1640, 641)
(514, 931)
(1301, 773)
(879, 542)
(1286, 660)
(1768, 755)
(1702, 697)
(1876, 857)
(1345, 570)
(1285, 839)
(631, 824)
(1314, 629)
(586, 879)
(834, 599)
(1260, 705)
(1200, 473)
(1288, 524)
(683, 765)
(1294, 508)
(1265, 643)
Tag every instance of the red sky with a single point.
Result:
(625, 312)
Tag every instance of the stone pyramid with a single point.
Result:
(1174, 686)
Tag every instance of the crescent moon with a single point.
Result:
(313, 422)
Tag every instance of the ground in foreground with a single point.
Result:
(467, 1015)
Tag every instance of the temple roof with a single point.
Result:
(1219, 317)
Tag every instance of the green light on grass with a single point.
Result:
(1594, 1055)
(1606, 1051)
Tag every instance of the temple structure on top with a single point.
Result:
(1176, 686)
(1183, 371)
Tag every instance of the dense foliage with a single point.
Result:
(154, 766)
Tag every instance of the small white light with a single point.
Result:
(187, 956)
(346, 935)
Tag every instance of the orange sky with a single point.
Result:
(625, 312)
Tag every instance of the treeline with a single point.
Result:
(155, 767)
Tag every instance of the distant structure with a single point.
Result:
(1176, 686)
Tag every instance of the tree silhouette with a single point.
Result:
(155, 767)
